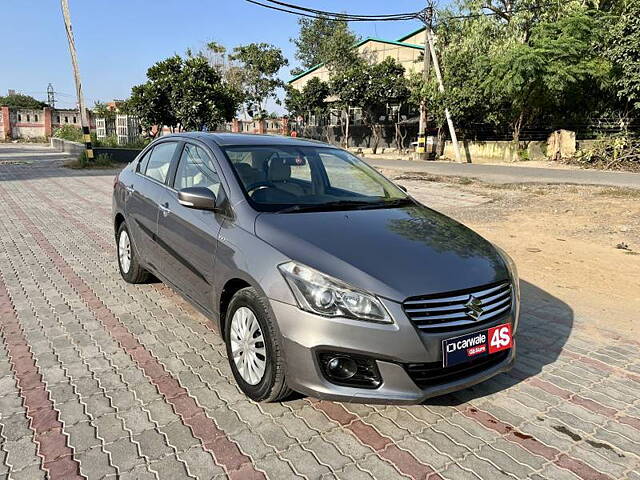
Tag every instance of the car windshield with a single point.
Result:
(291, 179)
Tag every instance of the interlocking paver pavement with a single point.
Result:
(102, 379)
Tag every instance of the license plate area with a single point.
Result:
(475, 345)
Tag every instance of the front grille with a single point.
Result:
(460, 309)
(432, 374)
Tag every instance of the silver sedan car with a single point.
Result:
(322, 276)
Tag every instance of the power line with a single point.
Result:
(332, 16)
(339, 15)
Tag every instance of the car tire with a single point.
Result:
(271, 385)
(130, 270)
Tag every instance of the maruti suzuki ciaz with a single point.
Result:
(322, 276)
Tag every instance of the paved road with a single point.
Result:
(29, 153)
(101, 379)
(511, 174)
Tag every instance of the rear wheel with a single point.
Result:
(253, 348)
(130, 268)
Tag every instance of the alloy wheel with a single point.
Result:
(124, 251)
(247, 346)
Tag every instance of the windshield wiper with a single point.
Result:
(328, 206)
(346, 205)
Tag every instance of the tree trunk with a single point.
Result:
(375, 132)
(517, 127)
(346, 131)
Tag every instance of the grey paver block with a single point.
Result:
(153, 444)
(179, 436)
(82, 436)
(170, 467)
(200, 463)
(304, 462)
(124, 454)
(94, 463)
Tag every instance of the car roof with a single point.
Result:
(229, 139)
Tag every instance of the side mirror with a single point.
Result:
(199, 198)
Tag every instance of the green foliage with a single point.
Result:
(613, 152)
(101, 161)
(21, 101)
(101, 110)
(200, 99)
(622, 47)
(187, 93)
(151, 101)
(69, 132)
(556, 65)
(310, 99)
(324, 41)
(261, 63)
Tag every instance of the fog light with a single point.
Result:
(349, 370)
(342, 368)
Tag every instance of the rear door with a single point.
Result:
(188, 238)
(145, 193)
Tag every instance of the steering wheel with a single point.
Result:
(258, 186)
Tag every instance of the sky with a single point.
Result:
(117, 40)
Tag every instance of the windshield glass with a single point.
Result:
(287, 178)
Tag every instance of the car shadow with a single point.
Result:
(545, 325)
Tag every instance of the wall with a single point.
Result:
(496, 151)
(22, 123)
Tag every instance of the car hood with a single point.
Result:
(395, 253)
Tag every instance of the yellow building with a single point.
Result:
(406, 50)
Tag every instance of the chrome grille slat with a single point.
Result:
(450, 311)
(458, 298)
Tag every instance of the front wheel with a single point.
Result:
(253, 348)
(128, 262)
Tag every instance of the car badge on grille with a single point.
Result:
(474, 308)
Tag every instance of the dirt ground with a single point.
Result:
(578, 243)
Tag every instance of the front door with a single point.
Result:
(144, 196)
(188, 237)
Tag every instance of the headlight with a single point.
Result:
(513, 273)
(324, 295)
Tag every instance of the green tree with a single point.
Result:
(101, 110)
(18, 100)
(200, 99)
(538, 77)
(622, 47)
(387, 86)
(260, 63)
(183, 93)
(324, 41)
(151, 101)
(349, 87)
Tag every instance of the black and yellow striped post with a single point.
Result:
(86, 136)
(422, 143)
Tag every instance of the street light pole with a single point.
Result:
(84, 119)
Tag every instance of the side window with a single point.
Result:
(196, 169)
(144, 161)
(160, 161)
(352, 179)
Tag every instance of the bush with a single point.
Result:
(614, 152)
(102, 160)
(69, 132)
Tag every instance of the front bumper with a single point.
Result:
(391, 345)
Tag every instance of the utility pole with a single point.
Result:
(426, 66)
(84, 120)
(427, 18)
(51, 96)
(436, 67)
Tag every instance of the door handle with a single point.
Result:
(165, 209)
(129, 188)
